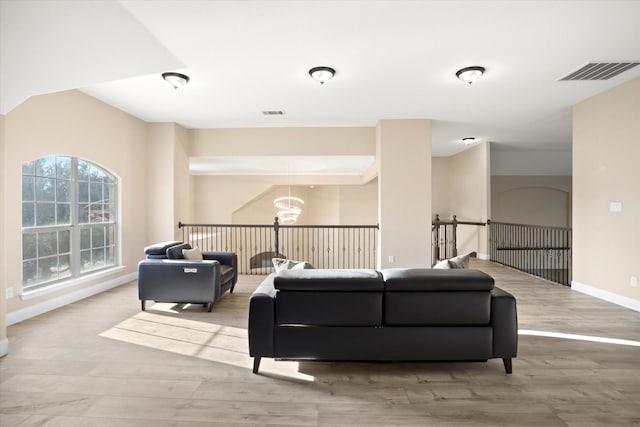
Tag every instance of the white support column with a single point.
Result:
(404, 193)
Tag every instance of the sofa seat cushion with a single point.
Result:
(430, 280)
(329, 280)
(313, 308)
(226, 273)
(159, 250)
(437, 308)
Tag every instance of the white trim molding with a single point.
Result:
(482, 256)
(621, 300)
(43, 307)
(4, 347)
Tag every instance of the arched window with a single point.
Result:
(69, 220)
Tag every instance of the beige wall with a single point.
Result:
(606, 155)
(73, 124)
(441, 187)
(539, 200)
(284, 141)
(404, 192)
(461, 187)
(323, 205)
(4, 344)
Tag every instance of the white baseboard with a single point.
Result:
(606, 295)
(4, 347)
(482, 256)
(43, 307)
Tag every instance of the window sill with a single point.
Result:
(69, 283)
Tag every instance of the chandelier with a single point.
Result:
(289, 208)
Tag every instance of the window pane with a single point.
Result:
(97, 236)
(85, 260)
(27, 188)
(47, 269)
(63, 165)
(83, 192)
(85, 238)
(95, 192)
(111, 255)
(83, 170)
(83, 215)
(63, 191)
(29, 272)
(64, 266)
(28, 168)
(96, 174)
(97, 257)
(96, 212)
(46, 166)
(28, 214)
(45, 214)
(29, 246)
(64, 213)
(64, 241)
(45, 189)
(111, 238)
(47, 244)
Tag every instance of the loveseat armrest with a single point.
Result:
(504, 320)
(262, 319)
(225, 258)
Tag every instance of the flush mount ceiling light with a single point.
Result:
(176, 79)
(470, 74)
(469, 140)
(322, 74)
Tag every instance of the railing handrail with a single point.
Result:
(553, 227)
(376, 226)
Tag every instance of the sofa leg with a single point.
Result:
(231, 289)
(143, 304)
(256, 364)
(507, 365)
(210, 307)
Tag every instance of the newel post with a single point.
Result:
(276, 234)
(454, 227)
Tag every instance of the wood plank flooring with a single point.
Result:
(103, 362)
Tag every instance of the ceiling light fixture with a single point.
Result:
(176, 79)
(289, 208)
(470, 74)
(469, 140)
(322, 74)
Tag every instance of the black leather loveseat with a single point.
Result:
(165, 276)
(392, 315)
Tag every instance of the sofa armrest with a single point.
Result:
(262, 319)
(178, 280)
(504, 320)
(226, 258)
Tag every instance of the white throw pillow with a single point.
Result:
(461, 261)
(194, 254)
(442, 265)
(288, 264)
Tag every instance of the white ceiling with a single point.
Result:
(394, 59)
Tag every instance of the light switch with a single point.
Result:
(615, 207)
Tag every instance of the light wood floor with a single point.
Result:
(103, 362)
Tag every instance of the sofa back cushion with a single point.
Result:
(329, 297)
(423, 296)
(432, 280)
(159, 250)
(175, 252)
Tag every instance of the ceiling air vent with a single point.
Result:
(600, 70)
(273, 113)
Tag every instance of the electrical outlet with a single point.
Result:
(9, 292)
(392, 259)
(634, 282)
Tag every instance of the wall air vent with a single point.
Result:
(600, 70)
(273, 113)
